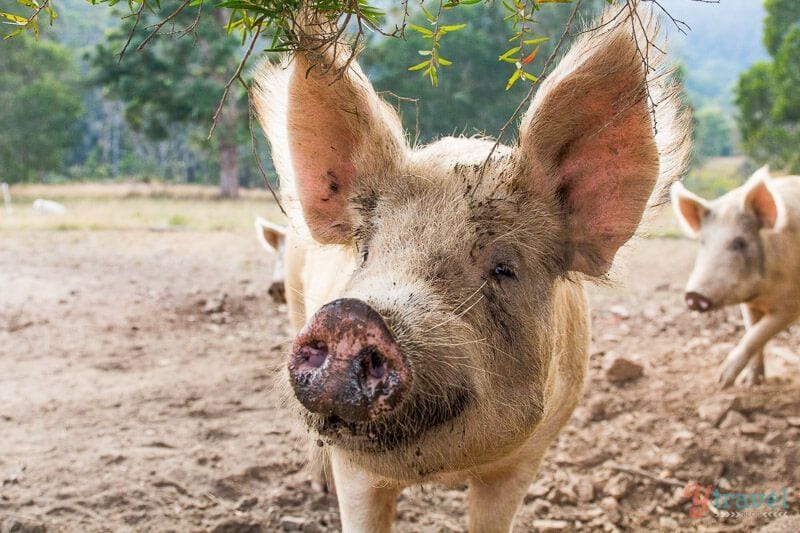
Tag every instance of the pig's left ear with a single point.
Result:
(761, 200)
(328, 130)
(588, 142)
(269, 235)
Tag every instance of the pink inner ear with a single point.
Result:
(762, 203)
(321, 148)
(607, 177)
(691, 211)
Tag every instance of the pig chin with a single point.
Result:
(415, 417)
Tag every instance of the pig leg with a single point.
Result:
(364, 504)
(755, 370)
(494, 498)
(753, 342)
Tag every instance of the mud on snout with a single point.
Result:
(363, 389)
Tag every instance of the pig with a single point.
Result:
(749, 255)
(438, 290)
(273, 238)
(48, 207)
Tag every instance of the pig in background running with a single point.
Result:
(446, 328)
(749, 255)
(273, 239)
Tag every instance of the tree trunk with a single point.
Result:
(226, 135)
(229, 170)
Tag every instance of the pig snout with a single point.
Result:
(346, 363)
(697, 302)
(277, 291)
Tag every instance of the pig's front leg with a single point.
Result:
(753, 342)
(365, 505)
(755, 370)
(494, 498)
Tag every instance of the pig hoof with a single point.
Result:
(753, 378)
(726, 379)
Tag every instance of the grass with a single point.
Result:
(106, 207)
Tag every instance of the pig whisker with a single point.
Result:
(468, 298)
(454, 317)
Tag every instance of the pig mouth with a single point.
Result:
(415, 418)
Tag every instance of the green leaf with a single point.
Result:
(420, 29)
(420, 66)
(513, 79)
(444, 62)
(451, 28)
(16, 19)
(536, 41)
(509, 53)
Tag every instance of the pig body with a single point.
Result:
(437, 291)
(750, 256)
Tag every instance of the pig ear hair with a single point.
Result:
(269, 234)
(689, 208)
(761, 199)
(328, 129)
(605, 136)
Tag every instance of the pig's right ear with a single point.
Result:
(689, 208)
(328, 130)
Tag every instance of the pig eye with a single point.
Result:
(503, 270)
(738, 244)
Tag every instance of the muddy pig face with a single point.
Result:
(730, 264)
(438, 351)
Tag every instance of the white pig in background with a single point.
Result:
(48, 207)
(749, 255)
(273, 238)
(446, 332)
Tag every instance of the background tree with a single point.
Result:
(174, 82)
(767, 93)
(40, 104)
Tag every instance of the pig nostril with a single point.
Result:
(376, 364)
(313, 354)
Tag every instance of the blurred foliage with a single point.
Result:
(40, 104)
(767, 94)
(473, 94)
(713, 133)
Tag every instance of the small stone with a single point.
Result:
(237, 526)
(752, 429)
(246, 504)
(672, 460)
(621, 369)
(292, 523)
(793, 421)
(774, 438)
(714, 411)
(585, 490)
(611, 508)
(668, 523)
(17, 525)
(618, 486)
(540, 507)
(550, 526)
(215, 304)
(620, 311)
(565, 495)
(733, 419)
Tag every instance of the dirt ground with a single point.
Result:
(137, 392)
